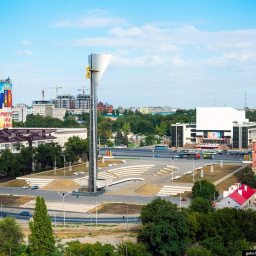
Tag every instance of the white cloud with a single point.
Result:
(25, 43)
(121, 52)
(92, 22)
(24, 53)
(96, 12)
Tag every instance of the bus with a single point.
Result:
(189, 156)
(160, 147)
(209, 155)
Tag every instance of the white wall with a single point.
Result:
(218, 118)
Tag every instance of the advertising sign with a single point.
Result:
(213, 135)
(5, 104)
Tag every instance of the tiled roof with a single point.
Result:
(247, 192)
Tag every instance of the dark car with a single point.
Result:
(115, 154)
(157, 155)
(35, 187)
(25, 213)
(3, 214)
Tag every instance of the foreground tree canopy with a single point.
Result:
(41, 239)
(164, 229)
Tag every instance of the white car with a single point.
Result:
(25, 187)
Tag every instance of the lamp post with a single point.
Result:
(55, 166)
(64, 164)
(33, 162)
(64, 213)
(172, 169)
(193, 173)
(127, 219)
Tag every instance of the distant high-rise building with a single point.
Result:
(66, 101)
(83, 101)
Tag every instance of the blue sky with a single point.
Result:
(165, 53)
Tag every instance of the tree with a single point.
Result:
(142, 143)
(105, 112)
(125, 140)
(75, 148)
(117, 112)
(41, 237)
(75, 248)
(249, 178)
(204, 189)
(132, 249)
(126, 127)
(113, 112)
(198, 251)
(103, 138)
(67, 114)
(201, 205)
(119, 138)
(45, 155)
(150, 140)
(11, 236)
(164, 229)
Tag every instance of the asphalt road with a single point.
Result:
(70, 217)
(147, 153)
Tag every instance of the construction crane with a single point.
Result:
(56, 87)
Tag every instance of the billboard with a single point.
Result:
(5, 103)
(213, 135)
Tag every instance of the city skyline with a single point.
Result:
(178, 54)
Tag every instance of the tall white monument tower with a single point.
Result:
(97, 65)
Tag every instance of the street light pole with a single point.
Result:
(64, 164)
(55, 166)
(96, 212)
(193, 173)
(172, 169)
(127, 218)
(64, 213)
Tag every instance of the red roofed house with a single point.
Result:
(240, 198)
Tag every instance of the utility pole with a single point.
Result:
(64, 213)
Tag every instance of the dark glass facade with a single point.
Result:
(177, 136)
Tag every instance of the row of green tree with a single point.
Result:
(48, 122)
(43, 157)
